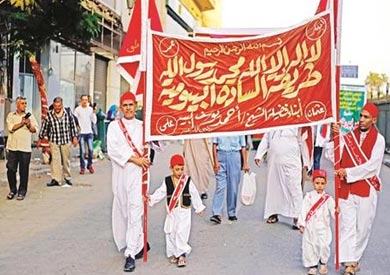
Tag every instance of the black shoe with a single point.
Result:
(204, 196)
(295, 224)
(68, 182)
(129, 265)
(52, 183)
(141, 253)
(233, 218)
(216, 219)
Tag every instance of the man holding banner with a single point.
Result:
(124, 144)
(361, 160)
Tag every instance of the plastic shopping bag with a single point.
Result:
(248, 189)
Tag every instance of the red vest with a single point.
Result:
(361, 187)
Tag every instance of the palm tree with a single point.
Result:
(385, 80)
(31, 23)
(375, 81)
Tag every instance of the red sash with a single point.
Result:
(128, 138)
(316, 206)
(358, 157)
(177, 193)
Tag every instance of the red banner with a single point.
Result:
(208, 87)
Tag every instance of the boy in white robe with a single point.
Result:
(314, 223)
(181, 193)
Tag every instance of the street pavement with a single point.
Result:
(61, 230)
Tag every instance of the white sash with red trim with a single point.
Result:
(128, 138)
(316, 206)
(358, 157)
(169, 221)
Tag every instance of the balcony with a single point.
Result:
(205, 5)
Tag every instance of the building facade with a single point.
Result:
(70, 73)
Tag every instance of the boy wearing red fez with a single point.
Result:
(125, 149)
(181, 193)
(361, 160)
(314, 223)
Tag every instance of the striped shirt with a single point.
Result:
(59, 130)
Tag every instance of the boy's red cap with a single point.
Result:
(372, 109)
(127, 96)
(319, 174)
(177, 160)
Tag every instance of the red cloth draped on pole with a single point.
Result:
(131, 56)
(337, 8)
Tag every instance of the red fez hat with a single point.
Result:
(177, 160)
(319, 174)
(127, 96)
(372, 109)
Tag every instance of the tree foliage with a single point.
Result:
(31, 23)
(375, 82)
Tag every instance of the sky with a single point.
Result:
(365, 27)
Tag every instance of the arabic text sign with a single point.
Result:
(352, 100)
(233, 85)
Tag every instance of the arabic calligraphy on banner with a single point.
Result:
(209, 87)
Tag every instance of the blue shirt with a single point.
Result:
(228, 144)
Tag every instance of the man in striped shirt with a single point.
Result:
(60, 128)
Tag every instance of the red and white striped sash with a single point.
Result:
(128, 138)
(316, 206)
(358, 157)
(177, 193)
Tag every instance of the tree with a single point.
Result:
(375, 82)
(31, 23)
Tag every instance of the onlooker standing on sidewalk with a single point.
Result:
(60, 128)
(124, 144)
(20, 127)
(87, 118)
(227, 167)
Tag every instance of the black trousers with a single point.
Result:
(15, 159)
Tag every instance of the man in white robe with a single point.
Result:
(198, 156)
(359, 186)
(127, 164)
(284, 193)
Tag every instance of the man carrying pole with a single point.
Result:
(361, 160)
(125, 149)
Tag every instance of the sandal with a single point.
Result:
(181, 261)
(20, 197)
(273, 219)
(11, 195)
(312, 271)
(173, 260)
(349, 270)
(323, 269)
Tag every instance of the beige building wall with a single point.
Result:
(211, 18)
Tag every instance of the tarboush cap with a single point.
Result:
(177, 160)
(372, 109)
(319, 174)
(127, 96)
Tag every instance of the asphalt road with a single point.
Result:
(68, 231)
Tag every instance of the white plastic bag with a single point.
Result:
(248, 189)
